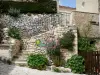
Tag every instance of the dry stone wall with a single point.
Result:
(37, 28)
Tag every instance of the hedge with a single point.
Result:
(44, 1)
(25, 7)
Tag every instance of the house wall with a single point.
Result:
(91, 6)
(85, 28)
(66, 9)
(39, 27)
(82, 21)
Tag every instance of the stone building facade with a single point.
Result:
(86, 18)
(91, 6)
(87, 23)
(66, 9)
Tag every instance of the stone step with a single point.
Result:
(32, 52)
(20, 63)
(27, 53)
(22, 58)
(4, 46)
(4, 53)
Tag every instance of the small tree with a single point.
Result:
(84, 41)
(67, 40)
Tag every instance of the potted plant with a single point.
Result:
(14, 40)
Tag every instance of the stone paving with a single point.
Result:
(16, 70)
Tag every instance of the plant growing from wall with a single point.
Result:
(37, 61)
(14, 32)
(86, 44)
(14, 12)
(76, 63)
(67, 40)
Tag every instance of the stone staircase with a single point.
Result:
(46, 25)
(4, 50)
(21, 58)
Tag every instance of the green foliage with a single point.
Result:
(56, 69)
(54, 51)
(85, 44)
(14, 33)
(57, 61)
(14, 12)
(53, 48)
(41, 1)
(30, 7)
(76, 63)
(55, 56)
(67, 40)
(37, 61)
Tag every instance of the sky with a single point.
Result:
(70, 3)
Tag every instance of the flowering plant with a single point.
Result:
(53, 50)
(53, 47)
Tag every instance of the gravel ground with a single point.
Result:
(16, 70)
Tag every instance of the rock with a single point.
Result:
(53, 67)
(64, 70)
(67, 70)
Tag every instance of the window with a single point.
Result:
(94, 23)
(83, 4)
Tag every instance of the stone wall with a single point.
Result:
(40, 27)
(87, 29)
(30, 43)
(33, 24)
(83, 21)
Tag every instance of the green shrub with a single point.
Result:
(55, 56)
(14, 33)
(84, 44)
(41, 1)
(37, 61)
(67, 40)
(76, 63)
(14, 12)
(57, 61)
(54, 51)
